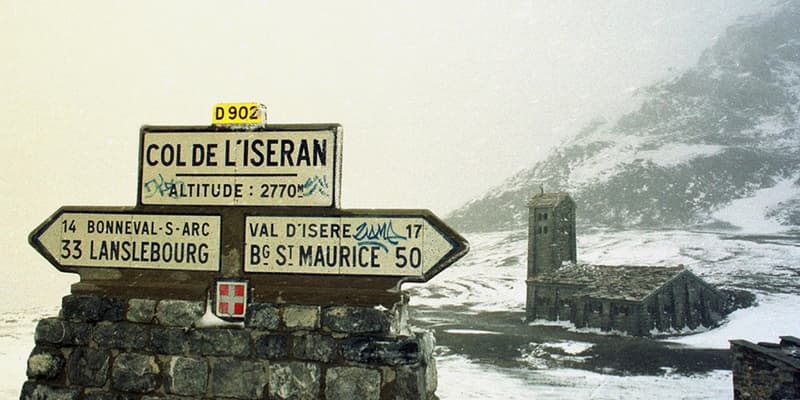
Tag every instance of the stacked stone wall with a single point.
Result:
(138, 349)
(760, 375)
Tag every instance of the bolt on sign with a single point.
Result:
(272, 166)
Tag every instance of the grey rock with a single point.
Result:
(134, 372)
(314, 347)
(88, 367)
(427, 343)
(294, 380)
(219, 342)
(238, 378)
(168, 340)
(356, 319)
(384, 351)
(301, 317)
(431, 376)
(35, 391)
(263, 316)
(103, 395)
(45, 364)
(179, 312)
(346, 383)
(50, 330)
(60, 332)
(141, 310)
(92, 308)
(77, 333)
(186, 376)
(410, 383)
(121, 335)
(269, 346)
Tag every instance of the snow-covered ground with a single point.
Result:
(460, 378)
(491, 278)
(16, 343)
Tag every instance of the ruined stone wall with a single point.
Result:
(550, 301)
(137, 349)
(683, 302)
(759, 375)
(530, 302)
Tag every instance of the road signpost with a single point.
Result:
(240, 219)
(242, 204)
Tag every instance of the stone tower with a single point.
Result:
(551, 232)
(551, 242)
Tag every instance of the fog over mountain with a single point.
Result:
(720, 137)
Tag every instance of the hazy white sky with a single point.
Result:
(439, 100)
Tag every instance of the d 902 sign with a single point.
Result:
(239, 113)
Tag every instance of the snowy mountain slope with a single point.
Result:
(721, 131)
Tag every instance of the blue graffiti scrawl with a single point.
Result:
(162, 187)
(381, 235)
(317, 184)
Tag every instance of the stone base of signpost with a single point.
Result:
(113, 348)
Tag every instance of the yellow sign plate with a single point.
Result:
(119, 240)
(238, 114)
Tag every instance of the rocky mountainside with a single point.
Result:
(726, 129)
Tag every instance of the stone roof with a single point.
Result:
(548, 200)
(618, 282)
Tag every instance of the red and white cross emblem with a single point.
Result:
(231, 299)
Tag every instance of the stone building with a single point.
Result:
(638, 300)
(766, 370)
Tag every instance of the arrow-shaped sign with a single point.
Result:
(106, 237)
(405, 243)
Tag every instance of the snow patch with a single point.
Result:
(749, 213)
(625, 149)
(605, 164)
(673, 154)
(570, 346)
(772, 318)
(470, 332)
(552, 354)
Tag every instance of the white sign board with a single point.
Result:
(123, 240)
(281, 167)
(399, 245)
